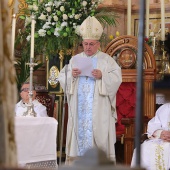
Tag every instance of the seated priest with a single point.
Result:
(155, 152)
(21, 106)
(91, 96)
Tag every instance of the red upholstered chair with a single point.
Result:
(124, 50)
(125, 105)
(46, 99)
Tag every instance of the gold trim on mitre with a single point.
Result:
(91, 28)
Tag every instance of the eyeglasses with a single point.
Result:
(90, 44)
(26, 89)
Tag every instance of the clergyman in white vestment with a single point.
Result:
(155, 152)
(21, 106)
(91, 99)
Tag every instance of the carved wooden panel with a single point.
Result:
(47, 100)
(129, 74)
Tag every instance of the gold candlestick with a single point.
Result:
(30, 107)
(165, 67)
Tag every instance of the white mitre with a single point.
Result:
(91, 29)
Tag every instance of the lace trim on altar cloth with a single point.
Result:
(160, 99)
(51, 165)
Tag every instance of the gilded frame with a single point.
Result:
(17, 7)
(59, 65)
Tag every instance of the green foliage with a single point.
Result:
(148, 40)
(22, 69)
(106, 17)
(58, 21)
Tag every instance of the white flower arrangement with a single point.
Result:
(57, 22)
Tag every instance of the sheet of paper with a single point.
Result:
(84, 64)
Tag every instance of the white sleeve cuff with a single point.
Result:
(157, 134)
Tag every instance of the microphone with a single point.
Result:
(67, 59)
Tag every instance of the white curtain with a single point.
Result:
(8, 90)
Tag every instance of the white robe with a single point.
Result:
(104, 111)
(155, 153)
(40, 109)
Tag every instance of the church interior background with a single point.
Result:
(42, 75)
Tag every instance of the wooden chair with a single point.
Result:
(124, 51)
(46, 99)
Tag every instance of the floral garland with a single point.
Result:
(148, 40)
(57, 22)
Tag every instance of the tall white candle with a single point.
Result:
(13, 35)
(162, 20)
(147, 19)
(129, 17)
(32, 36)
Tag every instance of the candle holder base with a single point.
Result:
(30, 111)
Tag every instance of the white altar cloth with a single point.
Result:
(36, 139)
(161, 99)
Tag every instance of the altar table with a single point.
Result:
(36, 139)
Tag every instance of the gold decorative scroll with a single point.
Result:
(21, 5)
(11, 4)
